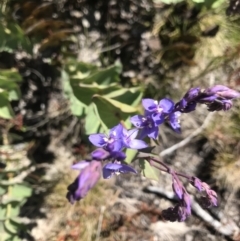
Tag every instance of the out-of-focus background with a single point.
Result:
(66, 69)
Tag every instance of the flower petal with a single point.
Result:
(116, 131)
(113, 168)
(132, 133)
(153, 132)
(100, 154)
(158, 118)
(149, 104)
(97, 139)
(137, 120)
(167, 105)
(137, 144)
(174, 122)
(80, 165)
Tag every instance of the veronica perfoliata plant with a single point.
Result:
(108, 159)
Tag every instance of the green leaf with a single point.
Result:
(80, 70)
(6, 111)
(105, 76)
(168, 1)
(147, 170)
(3, 190)
(92, 122)
(130, 153)
(84, 93)
(11, 226)
(76, 106)
(3, 211)
(20, 191)
(130, 96)
(12, 38)
(111, 112)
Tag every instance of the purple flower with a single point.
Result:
(129, 141)
(116, 168)
(147, 126)
(86, 180)
(157, 110)
(174, 121)
(110, 143)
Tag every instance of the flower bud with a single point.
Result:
(86, 180)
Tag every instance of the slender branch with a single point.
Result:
(185, 141)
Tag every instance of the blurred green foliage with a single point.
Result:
(207, 3)
(9, 90)
(97, 95)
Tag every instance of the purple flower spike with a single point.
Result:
(147, 126)
(115, 168)
(84, 182)
(129, 140)
(111, 142)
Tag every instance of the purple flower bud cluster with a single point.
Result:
(218, 97)
(182, 209)
(108, 159)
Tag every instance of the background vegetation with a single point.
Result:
(71, 68)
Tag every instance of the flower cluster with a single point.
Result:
(108, 159)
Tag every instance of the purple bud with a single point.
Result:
(100, 154)
(197, 183)
(220, 105)
(86, 180)
(177, 188)
(192, 94)
(208, 201)
(222, 91)
(182, 213)
(187, 203)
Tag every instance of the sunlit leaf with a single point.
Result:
(76, 106)
(20, 191)
(130, 153)
(147, 170)
(110, 111)
(92, 122)
(130, 96)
